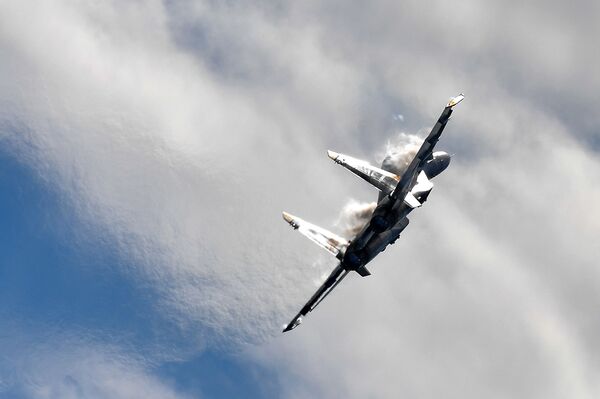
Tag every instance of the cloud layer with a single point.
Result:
(181, 129)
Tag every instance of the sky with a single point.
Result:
(147, 149)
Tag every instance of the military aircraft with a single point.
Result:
(398, 196)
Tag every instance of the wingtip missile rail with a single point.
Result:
(455, 100)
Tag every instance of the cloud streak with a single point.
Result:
(56, 364)
(181, 130)
(147, 143)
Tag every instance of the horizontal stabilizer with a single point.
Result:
(333, 243)
(382, 179)
(363, 271)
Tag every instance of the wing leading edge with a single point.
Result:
(409, 177)
(336, 276)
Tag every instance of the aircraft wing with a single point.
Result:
(382, 180)
(336, 276)
(409, 177)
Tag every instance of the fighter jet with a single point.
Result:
(398, 196)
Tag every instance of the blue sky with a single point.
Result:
(58, 274)
(148, 148)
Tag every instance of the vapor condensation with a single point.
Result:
(399, 152)
(398, 155)
(354, 216)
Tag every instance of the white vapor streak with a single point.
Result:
(400, 152)
(354, 216)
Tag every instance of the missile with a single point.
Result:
(290, 219)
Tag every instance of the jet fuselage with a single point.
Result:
(387, 223)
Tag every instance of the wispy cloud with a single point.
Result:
(156, 149)
(181, 129)
(55, 364)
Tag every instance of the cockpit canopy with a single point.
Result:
(437, 164)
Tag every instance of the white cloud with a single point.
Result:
(50, 365)
(186, 154)
(183, 169)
